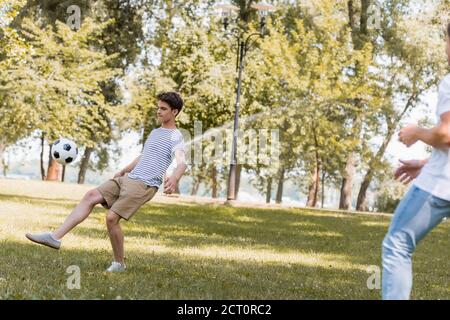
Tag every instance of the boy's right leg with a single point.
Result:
(81, 212)
(416, 215)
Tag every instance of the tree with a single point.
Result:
(306, 72)
(15, 113)
(120, 38)
(410, 66)
(65, 74)
(200, 64)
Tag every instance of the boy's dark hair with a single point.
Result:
(173, 99)
(448, 29)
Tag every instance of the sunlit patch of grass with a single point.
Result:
(248, 219)
(303, 224)
(375, 223)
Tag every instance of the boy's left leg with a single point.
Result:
(133, 194)
(116, 236)
(78, 214)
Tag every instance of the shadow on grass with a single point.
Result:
(279, 230)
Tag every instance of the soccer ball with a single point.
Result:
(64, 151)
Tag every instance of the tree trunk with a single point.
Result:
(315, 174)
(347, 181)
(359, 30)
(361, 204)
(63, 173)
(322, 198)
(269, 190)
(54, 169)
(195, 187)
(42, 156)
(2, 149)
(314, 186)
(214, 181)
(5, 167)
(359, 38)
(84, 165)
(279, 196)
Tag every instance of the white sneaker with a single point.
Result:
(116, 267)
(45, 239)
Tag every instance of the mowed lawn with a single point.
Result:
(202, 251)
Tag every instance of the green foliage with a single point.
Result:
(14, 109)
(67, 73)
(330, 83)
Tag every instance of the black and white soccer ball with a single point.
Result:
(64, 151)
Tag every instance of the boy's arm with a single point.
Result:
(171, 182)
(437, 137)
(128, 168)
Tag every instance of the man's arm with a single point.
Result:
(171, 182)
(128, 168)
(437, 137)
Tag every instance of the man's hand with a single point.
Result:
(408, 171)
(408, 135)
(119, 174)
(169, 185)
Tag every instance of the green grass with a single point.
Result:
(198, 251)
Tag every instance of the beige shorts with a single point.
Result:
(125, 196)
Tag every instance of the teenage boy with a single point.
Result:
(134, 185)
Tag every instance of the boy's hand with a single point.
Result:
(169, 185)
(119, 174)
(408, 171)
(408, 135)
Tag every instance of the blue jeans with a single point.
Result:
(416, 215)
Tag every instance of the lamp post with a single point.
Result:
(244, 44)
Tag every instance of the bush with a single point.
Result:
(389, 196)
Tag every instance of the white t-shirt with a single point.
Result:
(435, 175)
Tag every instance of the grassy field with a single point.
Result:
(202, 251)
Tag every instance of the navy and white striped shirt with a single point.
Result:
(158, 154)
